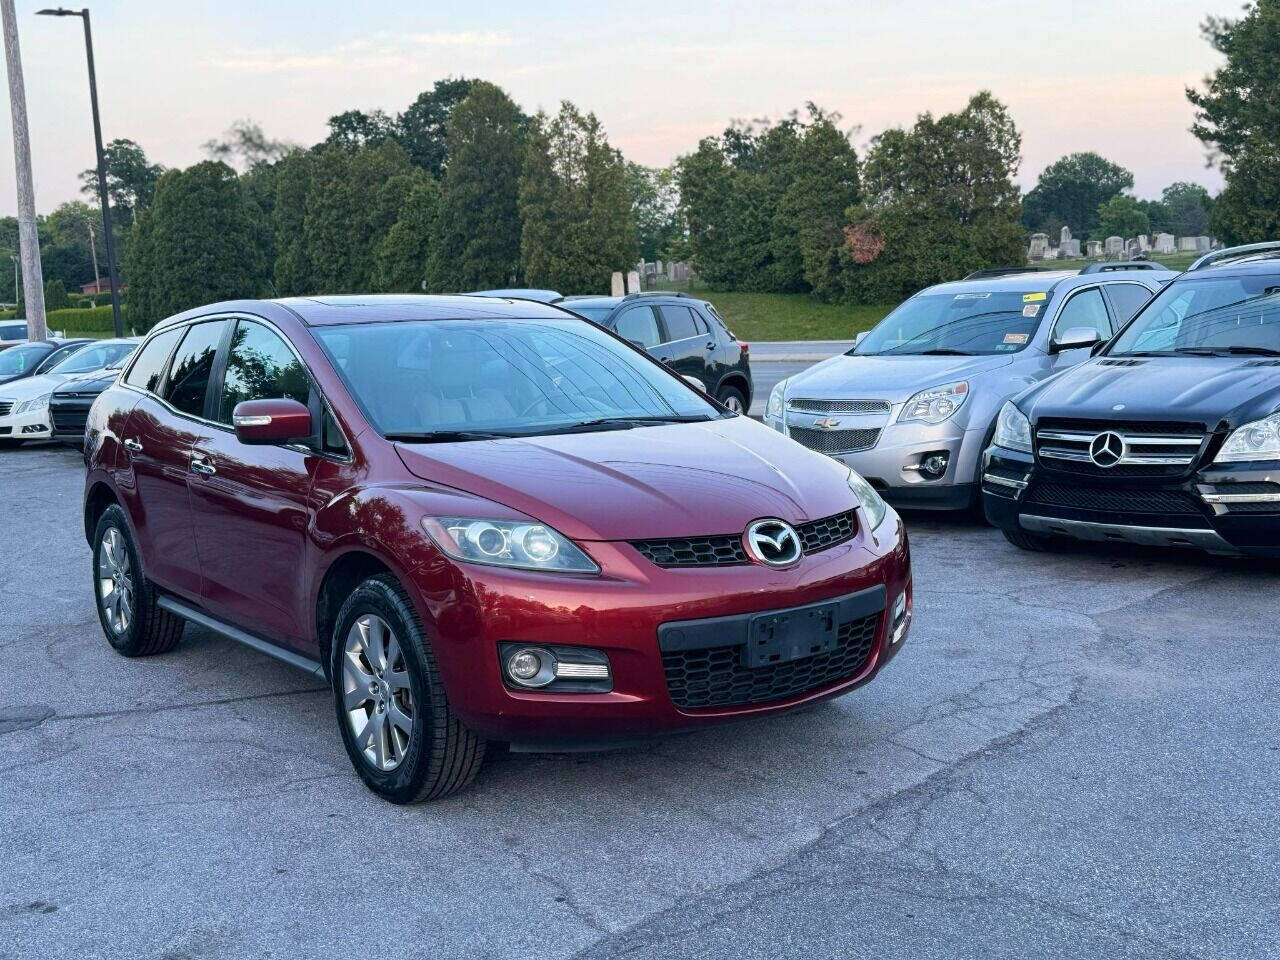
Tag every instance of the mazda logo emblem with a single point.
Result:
(774, 543)
(1107, 449)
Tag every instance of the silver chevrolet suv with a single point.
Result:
(912, 406)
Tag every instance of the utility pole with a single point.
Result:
(28, 240)
(93, 252)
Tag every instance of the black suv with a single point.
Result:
(685, 333)
(1169, 436)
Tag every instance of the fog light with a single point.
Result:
(934, 465)
(531, 667)
(899, 618)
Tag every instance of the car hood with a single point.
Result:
(1200, 389)
(893, 378)
(88, 383)
(667, 481)
(32, 386)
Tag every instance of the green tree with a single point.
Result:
(400, 264)
(55, 295)
(194, 245)
(245, 140)
(1122, 216)
(1187, 207)
(355, 130)
(291, 268)
(1238, 119)
(476, 242)
(655, 209)
(1071, 190)
(131, 180)
(939, 202)
(422, 127)
(575, 205)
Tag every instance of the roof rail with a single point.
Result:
(1123, 265)
(1000, 272)
(659, 293)
(1231, 253)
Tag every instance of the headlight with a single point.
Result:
(1259, 440)
(506, 543)
(773, 411)
(1013, 429)
(935, 404)
(871, 501)
(36, 403)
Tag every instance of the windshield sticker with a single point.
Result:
(972, 296)
(1017, 337)
(1031, 309)
(1032, 297)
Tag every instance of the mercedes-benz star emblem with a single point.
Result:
(774, 543)
(1107, 449)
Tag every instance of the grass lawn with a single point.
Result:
(1174, 261)
(788, 316)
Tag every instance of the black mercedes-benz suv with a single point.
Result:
(1169, 436)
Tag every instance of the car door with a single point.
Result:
(639, 324)
(158, 437)
(684, 348)
(1083, 308)
(250, 504)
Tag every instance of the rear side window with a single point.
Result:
(639, 325)
(260, 366)
(193, 365)
(679, 322)
(1127, 298)
(149, 367)
(1085, 309)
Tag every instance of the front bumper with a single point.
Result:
(622, 612)
(1221, 509)
(892, 466)
(28, 425)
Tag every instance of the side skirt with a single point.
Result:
(186, 612)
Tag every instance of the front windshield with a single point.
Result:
(469, 380)
(1210, 315)
(957, 323)
(17, 360)
(591, 313)
(95, 357)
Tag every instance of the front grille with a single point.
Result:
(719, 676)
(838, 406)
(1109, 500)
(1154, 449)
(835, 441)
(68, 418)
(727, 549)
(6, 407)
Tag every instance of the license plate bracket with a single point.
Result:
(785, 635)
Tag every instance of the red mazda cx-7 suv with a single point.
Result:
(480, 520)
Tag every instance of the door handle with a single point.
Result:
(204, 468)
(132, 445)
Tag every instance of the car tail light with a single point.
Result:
(745, 347)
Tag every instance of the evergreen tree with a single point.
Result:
(292, 267)
(575, 205)
(422, 127)
(400, 264)
(195, 245)
(476, 242)
(55, 295)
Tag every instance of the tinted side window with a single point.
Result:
(260, 366)
(640, 325)
(192, 366)
(1085, 309)
(679, 322)
(1127, 298)
(147, 369)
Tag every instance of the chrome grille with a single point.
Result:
(727, 549)
(838, 406)
(1153, 449)
(835, 441)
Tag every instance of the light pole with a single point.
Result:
(108, 239)
(17, 290)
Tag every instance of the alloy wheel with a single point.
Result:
(376, 695)
(733, 403)
(115, 582)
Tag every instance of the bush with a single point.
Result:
(55, 295)
(97, 320)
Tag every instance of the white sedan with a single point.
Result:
(24, 404)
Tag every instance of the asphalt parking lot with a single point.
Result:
(1075, 756)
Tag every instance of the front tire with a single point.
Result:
(733, 399)
(399, 730)
(132, 621)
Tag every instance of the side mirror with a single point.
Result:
(271, 421)
(695, 383)
(1076, 338)
(860, 337)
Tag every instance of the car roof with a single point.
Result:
(1045, 281)
(519, 293)
(1260, 265)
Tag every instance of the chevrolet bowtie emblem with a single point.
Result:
(827, 424)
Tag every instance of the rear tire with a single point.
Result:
(734, 399)
(402, 736)
(1034, 542)
(132, 621)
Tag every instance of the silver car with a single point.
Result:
(912, 406)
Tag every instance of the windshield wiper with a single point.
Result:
(624, 423)
(447, 436)
(1228, 351)
(935, 352)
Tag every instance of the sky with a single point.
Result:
(1089, 75)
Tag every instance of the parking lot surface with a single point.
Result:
(1076, 755)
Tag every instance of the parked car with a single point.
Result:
(1170, 436)
(913, 405)
(12, 332)
(482, 520)
(521, 293)
(32, 359)
(69, 402)
(24, 405)
(685, 333)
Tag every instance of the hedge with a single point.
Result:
(97, 320)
